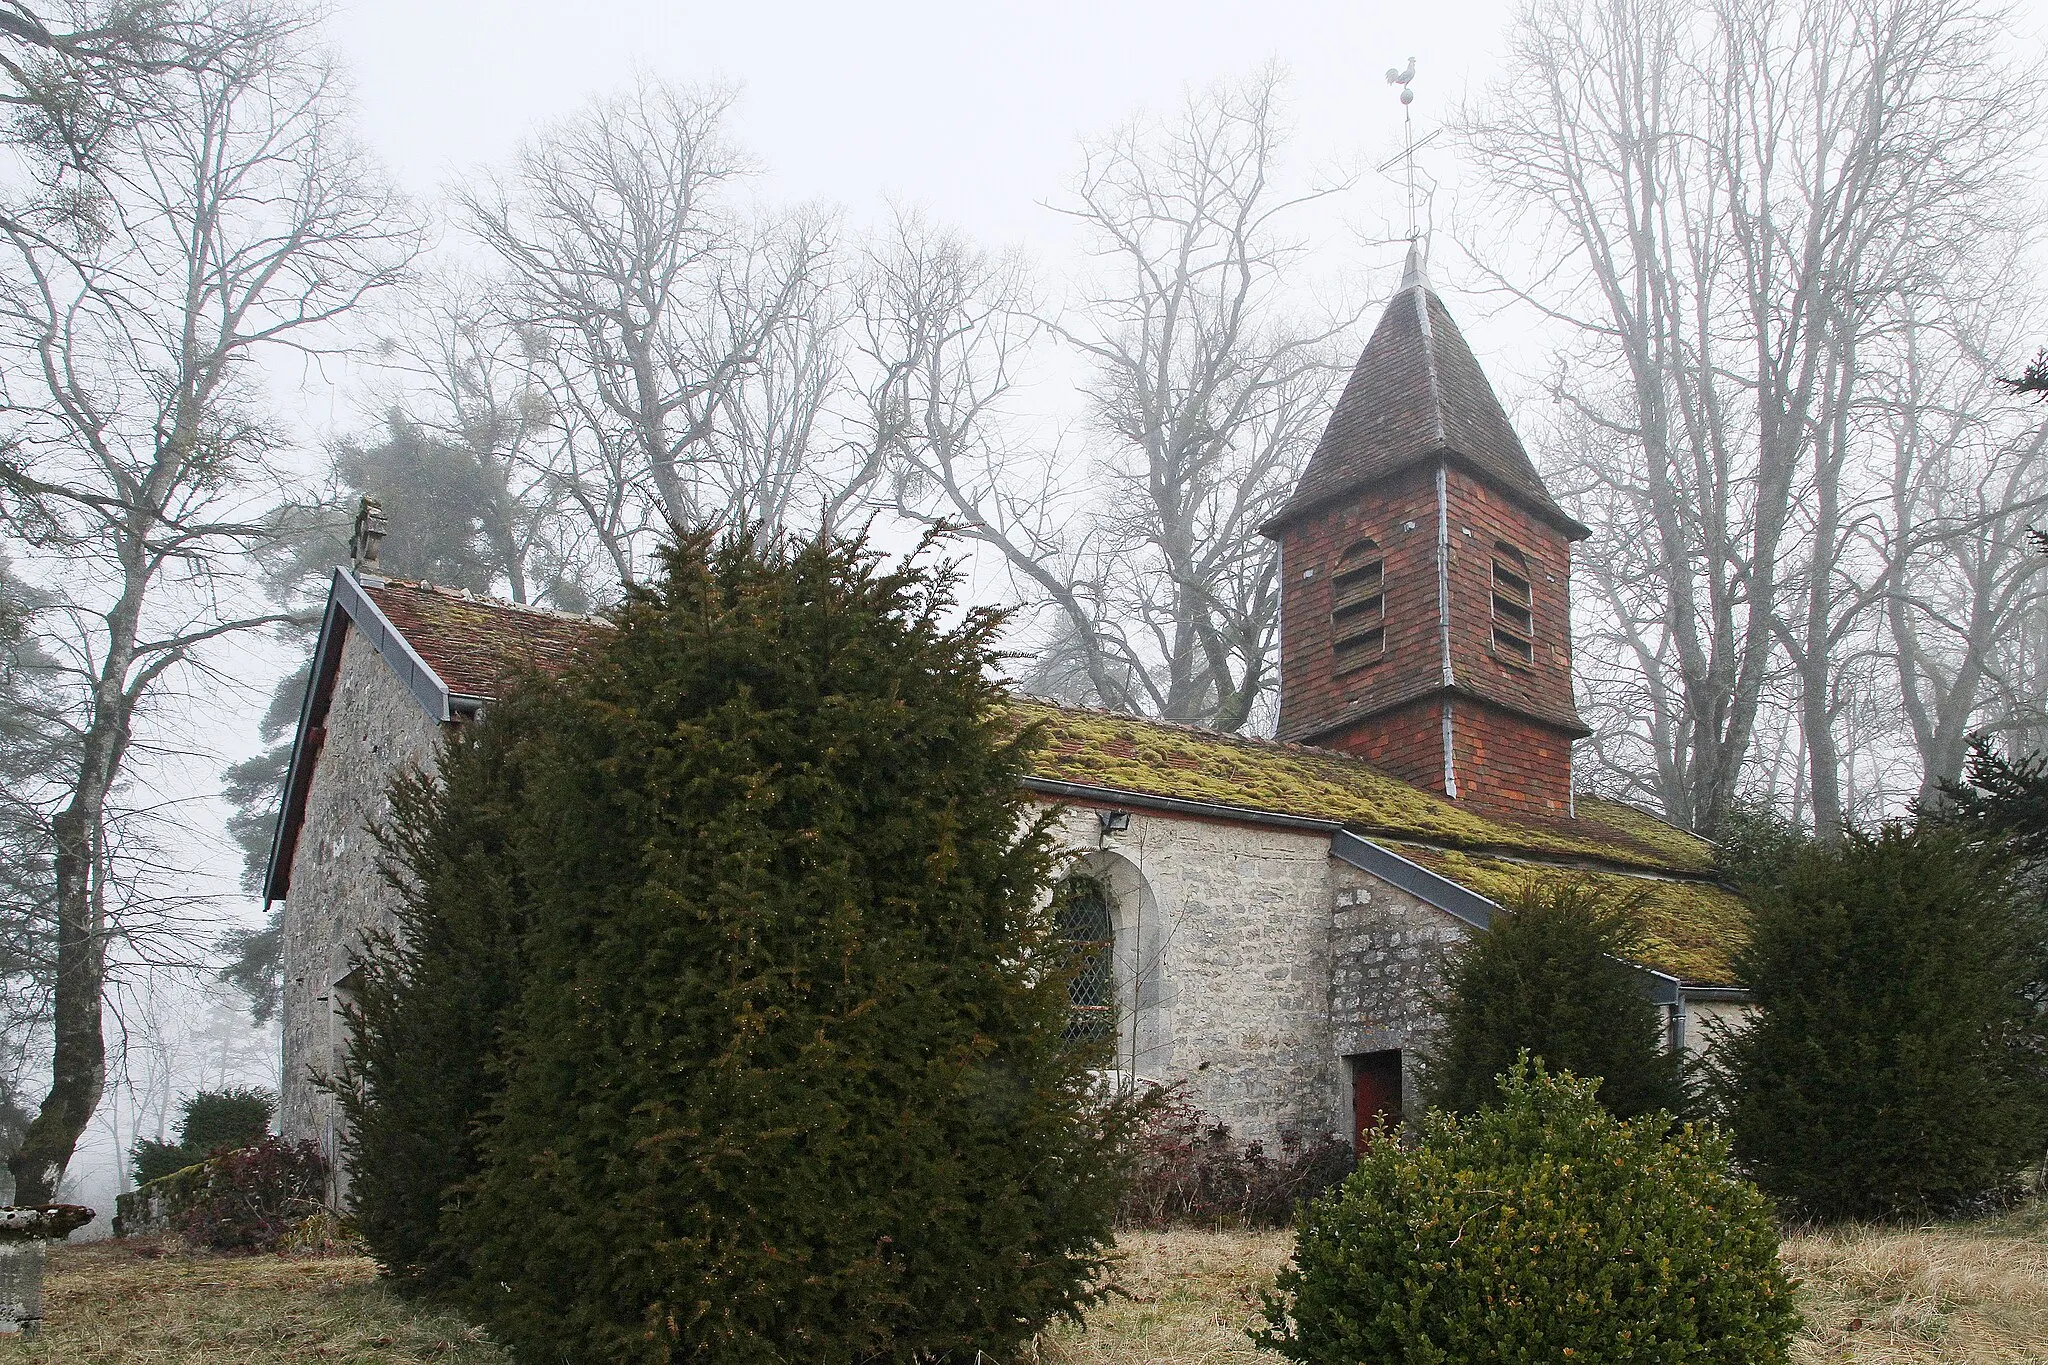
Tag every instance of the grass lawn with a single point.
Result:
(1967, 1292)
(137, 1304)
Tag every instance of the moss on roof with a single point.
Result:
(1690, 928)
(1101, 749)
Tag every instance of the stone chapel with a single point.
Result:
(1269, 914)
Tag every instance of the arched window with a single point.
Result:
(1514, 616)
(1358, 607)
(1081, 910)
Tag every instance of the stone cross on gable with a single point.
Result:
(365, 542)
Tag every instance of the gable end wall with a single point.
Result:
(374, 728)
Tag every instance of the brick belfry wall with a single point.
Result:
(1513, 720)
(375, 728)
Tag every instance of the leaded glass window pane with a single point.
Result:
(1081, 905)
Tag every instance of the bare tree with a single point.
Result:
(1966, 473)
(136, 442)
(1205, 391)
(653, 301)
(1734, 203)
(945, 328)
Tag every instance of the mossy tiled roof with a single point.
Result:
(1098, 748)
(1690, 924)
(1691, 928)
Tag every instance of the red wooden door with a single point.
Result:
(1375, 1093)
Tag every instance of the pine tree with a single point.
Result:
(1895, 1065)
(1551, 977)
(2005, 800)
(784, 1075)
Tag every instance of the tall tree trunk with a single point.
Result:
(78, 1062)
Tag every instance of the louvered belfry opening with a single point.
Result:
(1081, 910)
(1514, 618)
(1358, 607)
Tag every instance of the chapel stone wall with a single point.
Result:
(1239, 939)
(375, 728)
(1387, 955)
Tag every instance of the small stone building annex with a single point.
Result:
(1272, 914)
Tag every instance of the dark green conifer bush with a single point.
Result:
(786, 1078)
(1552, 977)
(428, 1000)
(1543, 1229)
(236, 1117)
(1895, 1064)
(210, 1121)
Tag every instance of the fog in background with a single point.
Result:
(936, 160)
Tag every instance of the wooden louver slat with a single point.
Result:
(1358, 607)
(1514, 616)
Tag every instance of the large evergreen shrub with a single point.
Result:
(1895, 1064)
(429, 999)
(784, 1078)
(1551, 977)
(209, 1121)
(1543, 1229)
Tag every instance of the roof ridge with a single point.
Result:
(465, 595)
(1190, 727)
(1429, 364)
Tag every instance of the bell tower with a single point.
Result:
(1425, 600)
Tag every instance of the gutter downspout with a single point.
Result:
(1443, 618)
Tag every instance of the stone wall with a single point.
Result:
(1387, 951)
(1230, 966)
(374, 729)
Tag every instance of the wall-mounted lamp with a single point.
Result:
(1114, 821)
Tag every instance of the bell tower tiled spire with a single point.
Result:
(1426, 578)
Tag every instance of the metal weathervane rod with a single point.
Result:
(1395, 76)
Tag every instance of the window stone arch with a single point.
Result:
(1139, 980)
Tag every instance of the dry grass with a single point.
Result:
(1974, 1293)
(1183, 1298)
(136, 1304)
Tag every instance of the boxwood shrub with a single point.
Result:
(1540, 1229)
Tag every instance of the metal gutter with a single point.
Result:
(1718, 995)
(1430, 888)
(1443, 600)
(424, 684)
(1662, 987)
